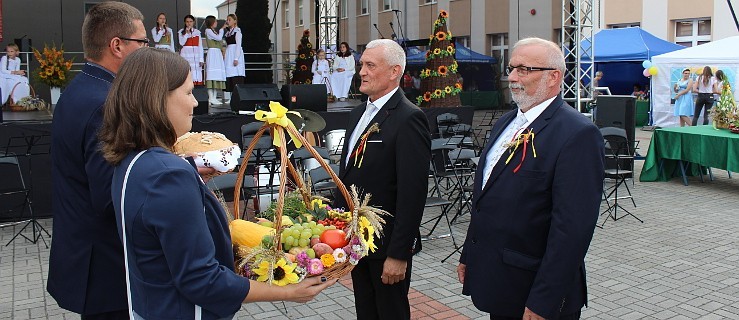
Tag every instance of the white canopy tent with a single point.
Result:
(719, 55)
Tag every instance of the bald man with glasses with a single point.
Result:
(536, 198)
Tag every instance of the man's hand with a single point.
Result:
(393, 271)
(236, 63)
(461, 269)
(530, 315)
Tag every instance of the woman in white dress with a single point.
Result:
(192, 49)
(11, 73)
(161, 34)
(343, 74)
(234, 60)
(215, 70)
(321, 70)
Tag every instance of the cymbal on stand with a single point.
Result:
(313, 122)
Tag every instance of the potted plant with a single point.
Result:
(53, 71)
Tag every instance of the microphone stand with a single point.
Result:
(400, 28)
(378, 31)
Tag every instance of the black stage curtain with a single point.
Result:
(36, 162)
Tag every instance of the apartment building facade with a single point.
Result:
(492, 26)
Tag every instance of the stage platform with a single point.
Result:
(220, 119)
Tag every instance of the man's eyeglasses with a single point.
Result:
(524, 70)
(145, 41)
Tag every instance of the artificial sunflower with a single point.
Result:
(450, 49)
(427, 96)
(458, 85)
(437, 51)
(302, 56)
(448, 89)
(437, 92)
(441, 35)
(368, 231)
(428, 53)
(306, 32)
(442, 70)
(303, 67)
(443, 13)
(282, 274)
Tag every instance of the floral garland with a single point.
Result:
(441, 71)
(439, 93)
(439, 53)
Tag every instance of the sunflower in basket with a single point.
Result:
(329, 246)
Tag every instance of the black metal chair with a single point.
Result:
(18, 190)
(321, 182)
(619, 164)
(435, 200)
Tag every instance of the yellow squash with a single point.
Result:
(245, 233)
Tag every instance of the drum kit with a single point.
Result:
(309, 123)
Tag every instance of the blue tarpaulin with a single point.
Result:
(462, 54)
(619, 54)
(628, 44)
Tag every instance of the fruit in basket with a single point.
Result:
(286, 221)
(265, 222)
(321, 249)
(249, 234)
(334, 238)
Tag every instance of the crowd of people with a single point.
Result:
(706, 87)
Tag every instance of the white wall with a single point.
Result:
(657, 22)
(723, 23)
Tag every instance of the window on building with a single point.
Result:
(499, 49)
(342, 7)
(692, 32)
(428, 1)
(387, 5)
(465, 41)
(364, 7)
(624, 25)
(300, 12)
(286, 18)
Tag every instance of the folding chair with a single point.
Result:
(435, 200)
(18, 190)
(619, 164)
(321, 181)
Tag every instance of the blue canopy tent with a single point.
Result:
(619, 54)
(473, 66)
(463, 55)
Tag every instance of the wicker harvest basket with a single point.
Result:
(278, 132)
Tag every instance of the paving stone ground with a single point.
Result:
(681, 263)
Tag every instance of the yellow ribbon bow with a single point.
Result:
(278, 115)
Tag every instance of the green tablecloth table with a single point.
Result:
(701, 145)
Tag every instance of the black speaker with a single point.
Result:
(619, 112)
(304, 96)
(252, 97)
(201, 94)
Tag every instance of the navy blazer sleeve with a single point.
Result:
(579, 167)
(99, 172)
(413, 154)
(188, 246)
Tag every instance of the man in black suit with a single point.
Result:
(536, 198)
(86, 271)
(391, 165)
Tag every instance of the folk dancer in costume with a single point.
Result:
(215, 71)
(162, 34)
(235, 66)
(192, 49)
(343, 72)
(321, 70)
(12, 75)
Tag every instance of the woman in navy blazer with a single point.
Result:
(179, 258)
